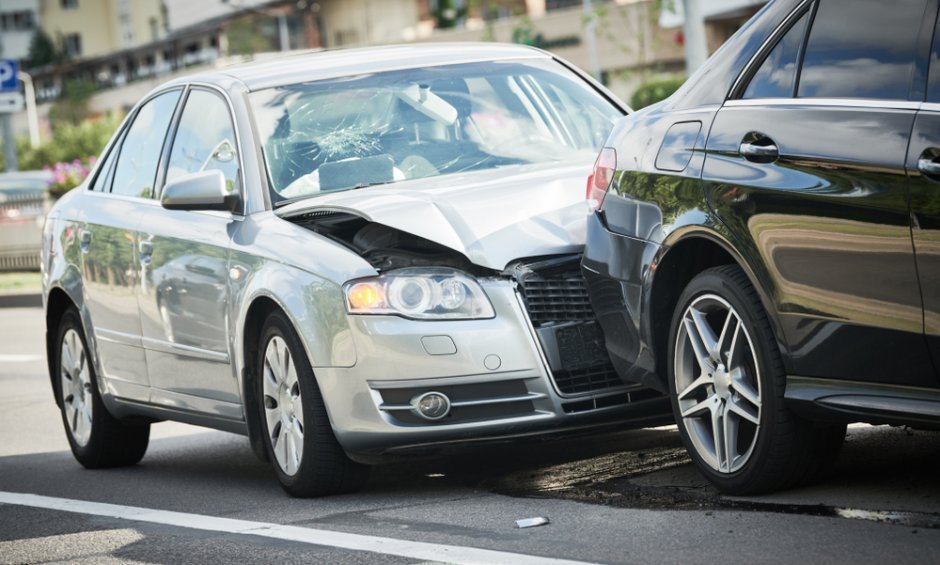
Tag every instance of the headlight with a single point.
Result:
(424, 294)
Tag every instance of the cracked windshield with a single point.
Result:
(411, 124)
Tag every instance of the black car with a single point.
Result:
(766, 242)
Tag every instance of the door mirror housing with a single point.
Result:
(205, 190)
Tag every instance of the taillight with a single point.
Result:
(601, 177)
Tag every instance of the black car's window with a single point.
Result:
(774, 78)
(205, 139)
(102, 182)
(862, 49)
(140, 151)
(933, 82)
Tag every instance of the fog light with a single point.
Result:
(431, 405)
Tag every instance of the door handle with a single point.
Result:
(84, 240)
(146, 250)
(929, 164)
(761, 150)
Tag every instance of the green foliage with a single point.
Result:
(654, 91)
(447, 15)
(69, 142)
(245, 37)
(42, 51)
(72, 106)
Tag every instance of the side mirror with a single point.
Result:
(204, 190)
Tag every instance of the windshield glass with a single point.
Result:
(387, 127)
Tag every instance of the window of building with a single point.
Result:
(862, 49)
(776, 75)
(69, 4)
(136, 168)
(73, 44)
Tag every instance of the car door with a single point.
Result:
(923, 166)
(184, 302)
(806, 167)
(111, 272)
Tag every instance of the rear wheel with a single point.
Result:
(299, 439)
(727, 386)
(97, 439)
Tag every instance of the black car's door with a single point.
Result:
(923, 165)
(807, 170)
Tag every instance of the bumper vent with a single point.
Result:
(556, 298)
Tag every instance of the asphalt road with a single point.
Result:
(629, 497)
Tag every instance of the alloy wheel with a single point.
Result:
(283, 406)
(717, 380)
(75, 387)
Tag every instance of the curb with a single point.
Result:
(26, 300)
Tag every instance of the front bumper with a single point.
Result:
(494, 371)
(618, 272)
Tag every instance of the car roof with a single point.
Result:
(320, 65)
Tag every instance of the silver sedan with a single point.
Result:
(344, 256)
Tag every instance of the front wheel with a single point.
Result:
(299, 439)
(96, 438)
(727, 382)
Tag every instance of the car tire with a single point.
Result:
(727, 381)
(298, 436)
(97, 439)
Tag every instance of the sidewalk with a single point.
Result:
(20, 290)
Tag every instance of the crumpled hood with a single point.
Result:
(492, 217)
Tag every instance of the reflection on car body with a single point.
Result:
(353, 254)
(764, 248)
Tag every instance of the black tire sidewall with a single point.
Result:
(277, 325)
(772, 378)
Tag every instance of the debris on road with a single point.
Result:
(532, 522)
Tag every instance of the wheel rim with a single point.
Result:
(283, 406)
(75, 377)
(717, 383)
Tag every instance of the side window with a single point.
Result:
(776, 75)
(140, 150)
(205, 139)
(862, 49)
(933, 80)
(106, 172)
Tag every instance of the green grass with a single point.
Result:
(19, 282)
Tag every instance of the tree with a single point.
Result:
(72, 107)
(42, 51)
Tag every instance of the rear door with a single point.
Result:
(807, 169)
(121, 191)
(184, 304)
(923, 165)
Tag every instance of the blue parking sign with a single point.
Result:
(8, 68)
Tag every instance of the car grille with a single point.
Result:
(560, 297)
(556, 298)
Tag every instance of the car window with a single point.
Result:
(933, 81)
(140, 151)
(381, 128)
(774, 78)
(106, 171)
(205, 139)
(862, 49)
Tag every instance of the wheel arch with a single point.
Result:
(681, 258)
(58, 301)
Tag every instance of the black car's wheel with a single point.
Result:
(97, 439)
(298, 436)
(727, 381)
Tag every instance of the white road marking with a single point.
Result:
(4, 358)
(354, 542)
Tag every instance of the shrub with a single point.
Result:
(653, 91)
(66, 176)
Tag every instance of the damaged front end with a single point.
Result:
(541, 358)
